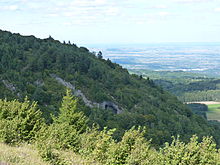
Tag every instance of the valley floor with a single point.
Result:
(214, 112)
(204, 102)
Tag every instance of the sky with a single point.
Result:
(87, 22)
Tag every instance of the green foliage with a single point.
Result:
(22, 122)
(48, 154)
(96, 144)
(71, 114)
(26, 64)
(99, 55)
(19, 122)
(67, 126)
(132, 149)
(188, 87)
(213, 112)
(203, 95)
(193, 153)
(60, 136)
(199, 109)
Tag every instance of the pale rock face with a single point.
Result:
(39, 83)
(11, 87)
(104, 105)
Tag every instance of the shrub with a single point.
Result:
(64, 132)
(132, 149)
(19, 122)
(192, 153)
(59, 136)
(95, 144)
(48, 154)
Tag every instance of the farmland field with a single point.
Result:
(213, 112)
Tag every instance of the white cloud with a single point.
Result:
(84, 11)
(217, 9)
(100, 11)
(112, 11)
(86, 3)
(160, 7)
(53, 15)
(10, 7)
(150, 18)
(100, 2)
(163, 13)
(193, 1)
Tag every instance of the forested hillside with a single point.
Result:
(200, 90)
(42, 69)
(188, 87)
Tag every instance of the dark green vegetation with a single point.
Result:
(188, 87)
(199, 109)
(70, 133)
(26, 66)
(173, 76)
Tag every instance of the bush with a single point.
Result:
(64, 132)
(95, 144)
(192, 153)
(19, 122)
(59, 136)
(48, 154)
(132, 149)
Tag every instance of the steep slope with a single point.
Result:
(42, 69)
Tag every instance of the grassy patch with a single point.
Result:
(213, 112)
(28, 155)
(23, 155)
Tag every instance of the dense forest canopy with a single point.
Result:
(26, 66)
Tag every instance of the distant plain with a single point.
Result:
(203, 58)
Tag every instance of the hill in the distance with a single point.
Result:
(188, 87)
(42, 69)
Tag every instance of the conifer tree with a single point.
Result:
(19, 122)
(70, 113)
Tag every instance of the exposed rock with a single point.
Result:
(11, 87)
(110, 105)
(75, 92)
(104, 105)
(39, 83)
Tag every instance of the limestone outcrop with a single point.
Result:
(104, 105)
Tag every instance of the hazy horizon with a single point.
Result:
(112, 45)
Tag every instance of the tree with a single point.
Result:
(193, 152)
(65, 131)
(70, 113)
(19, 122)
(99, 55)
(132, 149)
